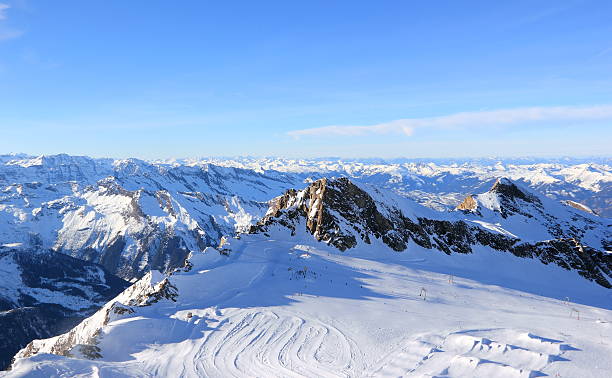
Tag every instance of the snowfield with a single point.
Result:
(291, 307)
(522, 288)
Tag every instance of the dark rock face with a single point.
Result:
(83, 340)
(509, 190)
(508, 193)
(23, 324)
(38, 290)
(340, 213)
(324, 204)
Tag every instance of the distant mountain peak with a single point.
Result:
(508, 189)
(505, 197)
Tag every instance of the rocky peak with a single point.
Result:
(468, 204)
(335, 211)
(505, 198)
(507, 189)
(343, 214)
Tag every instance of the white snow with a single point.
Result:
(13, 287)
(266, 311)
(73, 203)
(283, 306)
(494, 227)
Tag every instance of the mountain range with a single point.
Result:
(229, 262)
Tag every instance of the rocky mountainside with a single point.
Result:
(132, 216)
(442, 183)
(135, 218)
(287, 305)
(43, 293)
(505, 218)
(533, 217)
(82, 340)
(128, 215)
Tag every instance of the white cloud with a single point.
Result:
(3, 8)
(503, 117)
(7, 33)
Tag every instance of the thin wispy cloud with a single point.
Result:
(503, 117)
(546, 13)
(3, 8)
(6, 32)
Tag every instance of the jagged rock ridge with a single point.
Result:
(344, 214)
(82, 340)
(128, 215)
(45, 293)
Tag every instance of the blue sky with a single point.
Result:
(157, 79)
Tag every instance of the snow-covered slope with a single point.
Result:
(533, 217)
(289, 306)
(128, 215)
(131, 215)
(442, 183)
(341, 279)
(505, 218)
(43, 293)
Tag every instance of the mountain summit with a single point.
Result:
(317, 281)
(344, 215)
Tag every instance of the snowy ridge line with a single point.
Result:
(128, 215)
(132, 216)
(285, 324)
(506, 218)
(83, 339)
(45, 293)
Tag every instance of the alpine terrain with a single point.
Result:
(274, 267)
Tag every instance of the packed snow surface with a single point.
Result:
(293, 307)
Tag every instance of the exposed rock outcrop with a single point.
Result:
(43, 294)
(83, 339)
(579, 206)
(343, 214)
(468, 204)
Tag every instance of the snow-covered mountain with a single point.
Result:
(287, 305)
(43, 293)
(128, 215)
(131, 215)
(501, 249)
(505, 218)
(441, 183)
(345, 279)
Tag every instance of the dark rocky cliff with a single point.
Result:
(43, 294)
(342, 214)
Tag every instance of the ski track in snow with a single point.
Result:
(475, 353)
(249, 319)
(266, 344)
(492, 353)
(260, 344)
